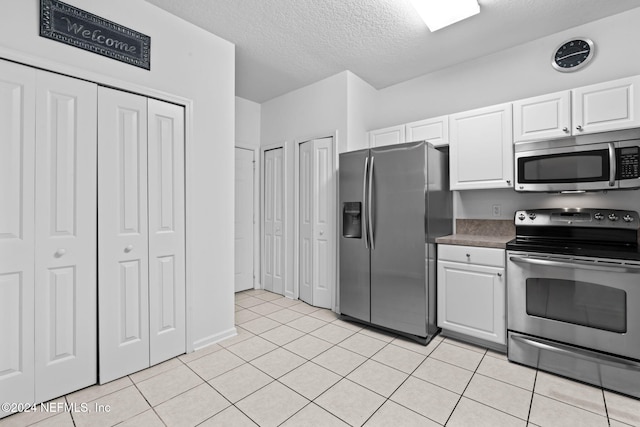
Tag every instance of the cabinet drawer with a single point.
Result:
(471, 255)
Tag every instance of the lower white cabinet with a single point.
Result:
(471, 292)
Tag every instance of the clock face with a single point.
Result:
(573, 55)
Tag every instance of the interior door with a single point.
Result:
(17, 187)
(122, 234)
(317, 222)
(66, 236)
(306, 222)
(273, 238)
(165, 151)
(244, 212)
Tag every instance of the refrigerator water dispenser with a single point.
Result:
(351, 220)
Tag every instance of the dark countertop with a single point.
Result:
(487, 233)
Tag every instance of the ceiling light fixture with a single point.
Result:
(438, 14)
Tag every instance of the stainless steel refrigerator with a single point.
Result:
(394, 202)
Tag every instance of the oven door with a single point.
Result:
(574, 168)
(587, 302)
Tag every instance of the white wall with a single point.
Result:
(187, 62)
(314, 111)
(247, 123)
(361, 102)
(511, 74)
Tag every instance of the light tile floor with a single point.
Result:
(295, 365)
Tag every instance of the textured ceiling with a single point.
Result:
(282, 45)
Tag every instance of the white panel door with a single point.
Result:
(317, 223)
(273, 267)
(166, 231)
(66, 240)
(244, 213)
(17, 186)
(122, 234)
(306, 221)
(324, 229)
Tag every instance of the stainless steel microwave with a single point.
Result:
(573, 166)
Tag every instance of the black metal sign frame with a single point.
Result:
(75, 27)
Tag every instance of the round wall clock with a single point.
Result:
(573, 54)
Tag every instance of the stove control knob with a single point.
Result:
(627, 218)
(598, 216)
(613, 217)
(532, 216)
(521, 217)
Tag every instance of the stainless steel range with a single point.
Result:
(574, 295)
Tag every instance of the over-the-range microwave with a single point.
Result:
(578, 165)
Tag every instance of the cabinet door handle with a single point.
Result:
(499, 274)
(579, 128)
(565, 129)
(60, 252)
(128, 249)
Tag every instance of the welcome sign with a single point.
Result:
(75, 27)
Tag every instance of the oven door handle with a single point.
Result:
(576, 352)
(575, 264)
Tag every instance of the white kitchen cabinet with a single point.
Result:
(435, 130)
(387, 136)
(596, 108)
(542, 117)
(472, 292)
(606, 106)
(48, 248)
(481, 148)
(141, 260)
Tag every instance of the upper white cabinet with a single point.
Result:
(597, 108)
(435, 130)
(387, 136)
(481, 148)
(542, 117)
(606, 106)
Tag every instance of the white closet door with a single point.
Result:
(122, 234)
(66, 241)
(244, 213)
(306, 222)
(317, 222)
(274, 221)
(17, 136)
(324, 230)
(166, 231)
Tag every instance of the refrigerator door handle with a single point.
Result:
(364, 203)
(370, 215)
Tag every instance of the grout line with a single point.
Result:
(466, 387)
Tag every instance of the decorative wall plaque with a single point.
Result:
(76, 27)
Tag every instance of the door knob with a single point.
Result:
(128, 249)
(60, 252)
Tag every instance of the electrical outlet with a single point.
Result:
(496, 210)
